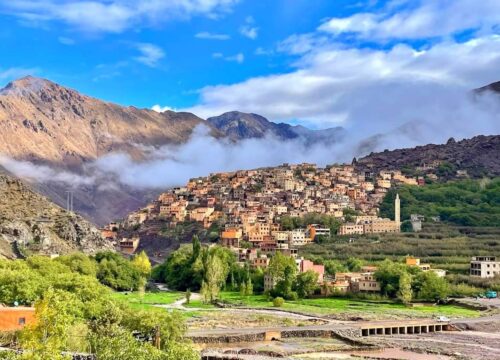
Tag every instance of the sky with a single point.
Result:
(392, 73)
(320, 63)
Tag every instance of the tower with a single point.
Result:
(397, 210)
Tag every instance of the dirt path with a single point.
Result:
(180, 305)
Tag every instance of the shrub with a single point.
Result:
(278, 301)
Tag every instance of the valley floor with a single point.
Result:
(250, 313)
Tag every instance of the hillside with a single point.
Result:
(30, 223)
(48, 124)
(478, 156)
(238, 126)
(45, 123)
(41, 120)
(462, 203)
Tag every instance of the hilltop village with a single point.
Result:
(249, 205)
(249, 209)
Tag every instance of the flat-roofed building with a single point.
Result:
(129, 246)
(485, 266)
(231, 238)
(16, 318)
(368, 283)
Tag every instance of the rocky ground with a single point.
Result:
(31, 224)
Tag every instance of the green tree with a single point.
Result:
(388, 274)
(354, 264)
(432, 287)
(80, 263)
(333, 266)
(306, 283)
(48, 336)
(142, 263)
(117, 272)
(278, 301)
(405, 293)
(214, 277)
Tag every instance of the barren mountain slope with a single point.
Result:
(40, 120)
(478, 155)
(30, 223)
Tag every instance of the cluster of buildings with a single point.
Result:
(370, 224)
(246, 206)
(365, 281)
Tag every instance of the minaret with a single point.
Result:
(397, 210)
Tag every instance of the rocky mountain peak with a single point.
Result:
(493, 87)
(38, 89)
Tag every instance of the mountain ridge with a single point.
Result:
(477, 155)
(238, 125)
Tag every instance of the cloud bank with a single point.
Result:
(422, 119)
(112, 16)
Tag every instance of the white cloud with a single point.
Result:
(419, 19)
(263, 52)
(239, 58)
(160, 109)
(44, 174)
(112, 16)
(303, 43)
(65, 40)
(366, 88)
(248, 30)
(150, 54)
(212, 36)
(16, 72)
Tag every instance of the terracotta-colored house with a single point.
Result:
(15, 318)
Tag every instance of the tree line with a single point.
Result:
(464, 202)
(75, 312)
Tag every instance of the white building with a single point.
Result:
(484, 266)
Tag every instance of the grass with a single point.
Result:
(147, 300)
(335, 307)
(347, 307)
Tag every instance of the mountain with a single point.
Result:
(48, 124)
(41, 120)
(238, 126)
(478, 156)
(31, 224)
(493, 87)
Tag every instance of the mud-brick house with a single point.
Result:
(15, 318)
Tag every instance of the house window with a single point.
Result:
(21, 321)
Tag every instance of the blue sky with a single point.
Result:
(301, 61)
(101, 63)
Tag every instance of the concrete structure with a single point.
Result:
(484, 266)
(307, 265)
(368, 283)
(373, 225)
(129, 246)
(349, 332)
(316, 230)
(397, 211)
(410, 328)
(269, 282)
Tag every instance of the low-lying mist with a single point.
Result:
(388, 117)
